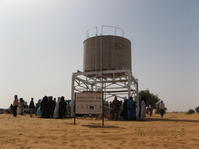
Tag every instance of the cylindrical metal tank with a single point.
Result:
(107, 52)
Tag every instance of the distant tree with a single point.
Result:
(190, 111)
(197, 109)
(151, 99)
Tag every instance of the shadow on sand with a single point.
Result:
(99, 126)
(171, 120)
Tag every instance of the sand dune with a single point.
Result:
(175, 131)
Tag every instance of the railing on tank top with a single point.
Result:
(105, 30)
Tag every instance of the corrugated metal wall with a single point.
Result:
(107, 53)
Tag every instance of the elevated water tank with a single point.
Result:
(107, 52)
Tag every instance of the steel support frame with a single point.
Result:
(120, 83)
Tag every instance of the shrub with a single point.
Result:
(150, 98)
(197, 109)
(190, 111)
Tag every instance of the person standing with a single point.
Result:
(52, 104)
(53, 107)
(44, 107)
(115, 108)
(134, 109)
(38, 108)
(131, 108)
(11, 108)
(162, 108)
(56, 110)
(31, 107)
(62, 108)
(150, 110)
(21, 106)
(125, 110)
(143, 110)
(15, 105)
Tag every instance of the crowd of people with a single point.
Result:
(129, 109)
(49, 107)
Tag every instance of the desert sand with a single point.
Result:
(175, 131)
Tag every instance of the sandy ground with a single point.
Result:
(176, 131)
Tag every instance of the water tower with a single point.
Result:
(106, 65)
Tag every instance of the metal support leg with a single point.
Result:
(137, 100)
(72, 95)
(129, 84)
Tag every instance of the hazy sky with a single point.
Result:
(41, 44)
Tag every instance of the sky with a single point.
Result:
(41, 44)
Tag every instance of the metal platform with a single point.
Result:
(120, 83)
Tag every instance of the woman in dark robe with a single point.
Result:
(62, 108)
(44, 107)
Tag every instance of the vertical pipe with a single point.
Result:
(72, 94)
(75, 110)
(102, 83)
(129, 84)
(137, 100)
(95, 56)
